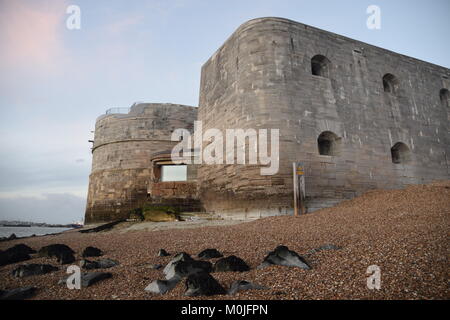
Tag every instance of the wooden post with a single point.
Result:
(302, 189)
(294, 166)
(299, 188)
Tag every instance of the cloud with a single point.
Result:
(50, 208)
(37, 175)
(48, 154)
(30, 32)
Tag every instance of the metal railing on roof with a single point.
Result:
(117, 110)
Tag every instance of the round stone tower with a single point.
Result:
(124, 144)
(244, 85)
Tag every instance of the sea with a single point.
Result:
(29, 231)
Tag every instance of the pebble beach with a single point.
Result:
(403, 232)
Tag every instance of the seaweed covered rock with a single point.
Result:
(160, 213)
(136, 215)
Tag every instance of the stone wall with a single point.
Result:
(183, 195)
(262, 78)
(123, 147)
(176, 189)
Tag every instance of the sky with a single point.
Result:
(54, 82)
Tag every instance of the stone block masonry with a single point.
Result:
(359, 117)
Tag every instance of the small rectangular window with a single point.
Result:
(173, 173)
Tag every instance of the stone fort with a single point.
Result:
(357, 116)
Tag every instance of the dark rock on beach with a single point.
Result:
(11, 237)
(18, 294)
(88, 279)
(99, 264)
(186, 268)
(231, 263)
(183, 269)
(182, 256)
(163, 253)
(91, 252)
(182, 265)
(210, 254)
(103, 227)
(162, 286)
(202, 284)
(14, 254)
(88, 265)
(65, 257)
(23, 248)
(241, 285)
(33, 270)
(282, 256)
(53, 249)
(63, 253)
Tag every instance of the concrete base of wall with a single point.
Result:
(252, 214)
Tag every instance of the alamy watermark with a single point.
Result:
(190, 149)
(74, 280)
(374, 280)
(73, 22)
(374, 20)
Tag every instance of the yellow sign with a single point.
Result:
(300, 171)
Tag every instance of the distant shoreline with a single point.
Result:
(20, 232)
(72, 226)
(15, 225)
